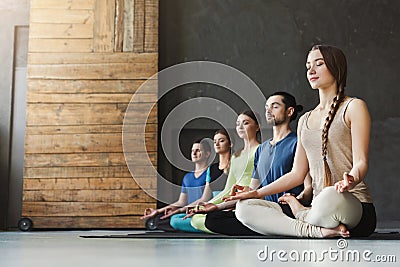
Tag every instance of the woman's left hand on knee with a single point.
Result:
(346, 184)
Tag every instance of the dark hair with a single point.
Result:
(257, 119)
(336, 63)
(289, 101)
(204, 144)
(253, 115)
(225, 133)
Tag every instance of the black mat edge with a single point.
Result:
(181, 235)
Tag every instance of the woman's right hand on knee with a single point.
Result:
(241, 195)
(238, 189)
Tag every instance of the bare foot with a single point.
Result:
(293, 202)
(340, 230)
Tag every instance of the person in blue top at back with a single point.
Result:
(273, 158)
(194, 188)
(216, 178)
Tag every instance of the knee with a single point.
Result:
(210, 221)
(344, 207)
(197, 221)
(330, 199)
(329, 191)
(176, 220)
(242, 211)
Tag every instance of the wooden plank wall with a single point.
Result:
(86, 59)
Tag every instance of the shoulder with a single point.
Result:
(300, 124)
(214, 167)
(357, 104)
(263, 145)
(236, 155)
(303, 118)
(255, 150)
(188, 175)
(292, 136)
(356, 107)
(288, 143)
(292, 139)
(356, 110)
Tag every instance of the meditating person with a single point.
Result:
(333, 142)
(194, 188)
(273, 159)
(241, 167)
(216, 176)
(220, 170)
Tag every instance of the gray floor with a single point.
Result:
(66, 248)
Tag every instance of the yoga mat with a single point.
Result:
(182, 235)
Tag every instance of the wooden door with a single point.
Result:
(86, 60)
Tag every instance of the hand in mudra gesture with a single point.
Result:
(346, 184)
(201, 208)
(149, 213)
(240, 192)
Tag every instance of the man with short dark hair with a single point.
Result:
(273, 159)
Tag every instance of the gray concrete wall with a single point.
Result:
(14, 14)
(269, 40)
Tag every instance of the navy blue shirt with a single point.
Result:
(273, 161)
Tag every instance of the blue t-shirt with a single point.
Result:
(193, 186)
(273, 161)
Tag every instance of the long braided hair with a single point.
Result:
(336, 63)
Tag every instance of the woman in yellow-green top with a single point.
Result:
(241, 166)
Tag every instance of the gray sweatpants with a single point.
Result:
(329, 209)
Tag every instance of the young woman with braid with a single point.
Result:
(333, 141)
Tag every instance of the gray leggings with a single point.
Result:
(329, 209)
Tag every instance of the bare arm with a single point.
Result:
(359, 121)
(175, 207)
(207, 194)
(306, 195)
(150, 212)
(254, 184)
(292, 179)
(209, 207)
(182, 201)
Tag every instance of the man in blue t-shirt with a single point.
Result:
(273, 159)
(192, 187)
